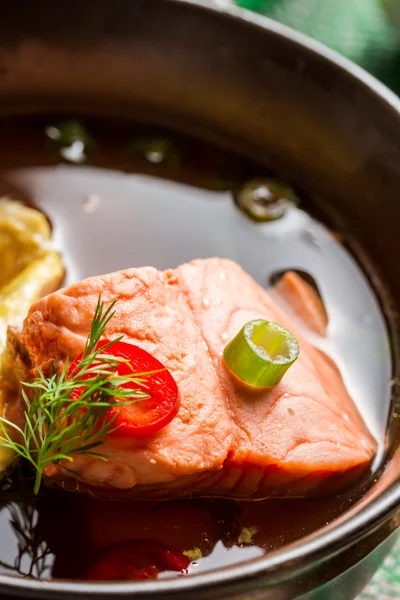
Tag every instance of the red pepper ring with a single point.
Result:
(143, 418)
(137, 559)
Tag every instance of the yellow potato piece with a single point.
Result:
(29, 269)
(24, 235)
(42, 276)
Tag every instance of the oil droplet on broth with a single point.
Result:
(164, 222)
(91, 203)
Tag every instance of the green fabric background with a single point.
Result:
(361, 30)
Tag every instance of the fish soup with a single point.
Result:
(122, 196)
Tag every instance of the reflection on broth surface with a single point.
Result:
(121, 195)
(61, 535)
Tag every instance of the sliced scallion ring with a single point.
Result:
(158, 150)
(71, 139)
(261, 353)
(265, 199)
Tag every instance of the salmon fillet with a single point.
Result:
(304, 301)
(300, 438)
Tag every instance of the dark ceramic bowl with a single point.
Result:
(270, 92)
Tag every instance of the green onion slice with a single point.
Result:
(261, 353)
(71, 139)
(157, 150)
(265, 199)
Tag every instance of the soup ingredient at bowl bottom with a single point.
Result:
(137, 559)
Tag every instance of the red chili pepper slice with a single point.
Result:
(137, 559)
(146, 417)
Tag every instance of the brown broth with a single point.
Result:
(64, 533)
(60, 534)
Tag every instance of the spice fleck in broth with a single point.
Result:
(121, 195)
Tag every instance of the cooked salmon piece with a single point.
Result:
(304, 301)
(293, 437)
(300, 438)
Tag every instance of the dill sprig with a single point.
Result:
(58, 425)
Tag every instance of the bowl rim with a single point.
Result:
(294, 559)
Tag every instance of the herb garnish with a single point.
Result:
(58, 426)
